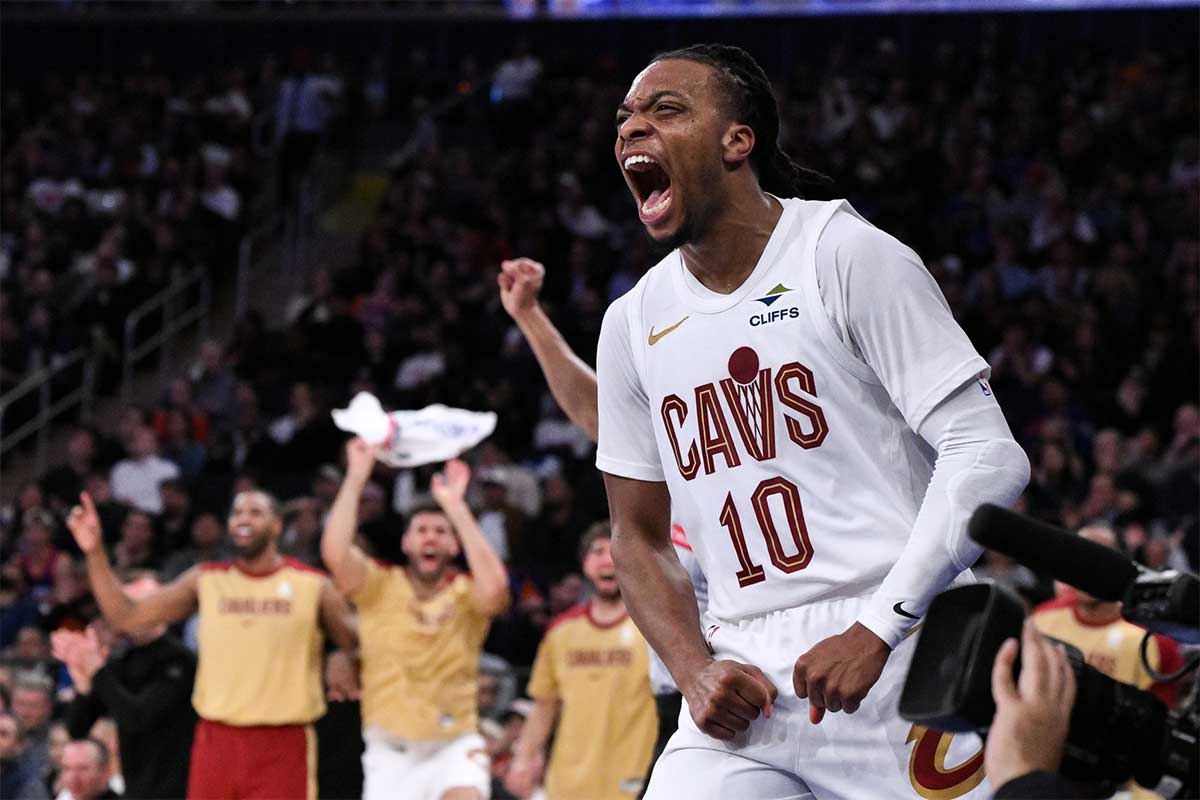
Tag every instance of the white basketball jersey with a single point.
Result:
(790, 455)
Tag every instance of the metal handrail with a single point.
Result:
(49, 407)
(174, 322)
(245, 266)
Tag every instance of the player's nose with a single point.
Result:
(636, 127)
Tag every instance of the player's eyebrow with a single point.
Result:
(654, 98)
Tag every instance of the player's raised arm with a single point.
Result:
(173, 602)
(345, 560)
(489, 578)
(571, 380)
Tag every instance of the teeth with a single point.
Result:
(649, 210)
(639, 160)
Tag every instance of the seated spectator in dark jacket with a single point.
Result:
(145, 686)
(17, 780)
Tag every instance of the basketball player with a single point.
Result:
(591, 675)
(790, 386)
(573, 384)
(421, 629)
(258, 677)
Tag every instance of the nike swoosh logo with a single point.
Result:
(654, 337)
(897, 608)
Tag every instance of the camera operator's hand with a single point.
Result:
(1032, 714)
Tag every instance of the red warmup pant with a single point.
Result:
(253, 762)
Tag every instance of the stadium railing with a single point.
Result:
(178, 314)
(57, 391)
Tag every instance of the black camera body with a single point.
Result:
(1117, 731)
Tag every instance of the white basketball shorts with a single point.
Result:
(869, 754)
(399, 768)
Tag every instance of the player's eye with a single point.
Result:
(666, 107)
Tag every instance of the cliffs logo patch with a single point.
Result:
(773, 295)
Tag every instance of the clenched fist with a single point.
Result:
(724, 697)
(520, 281)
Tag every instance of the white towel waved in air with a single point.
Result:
(411, 438)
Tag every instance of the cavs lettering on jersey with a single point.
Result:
(607, 723)
(260, 645)
(420, 658)
(782, 415)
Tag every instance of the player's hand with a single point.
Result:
(837, 673)
(83, 655)
(341, 676)
(450, 485)
(1032, 714)
(84, 524)
(724, 697)
(524, 774)
(520, 282)
(360, 459)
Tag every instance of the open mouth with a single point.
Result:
(243, 533)
(652, 186)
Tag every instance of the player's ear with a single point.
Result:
(737, 144)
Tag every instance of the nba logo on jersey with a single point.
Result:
(983, 386)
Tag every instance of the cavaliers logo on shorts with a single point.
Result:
(927, 769)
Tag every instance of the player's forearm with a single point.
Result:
(116, 606)
(337, 540)
(571, 380)
(488, 573)
(978, 462)
(660, 598)
(536, 731)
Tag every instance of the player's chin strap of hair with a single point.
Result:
(977, 462)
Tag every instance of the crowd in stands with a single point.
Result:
(1055, 203)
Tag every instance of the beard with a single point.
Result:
(254, 548)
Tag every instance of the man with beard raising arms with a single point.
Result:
(421, 629)
(258, 678)
(593, 667)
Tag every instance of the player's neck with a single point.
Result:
(606, 611)
(1097, 613)
(265, 561)
(729, 251)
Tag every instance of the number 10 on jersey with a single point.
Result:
(789, 562)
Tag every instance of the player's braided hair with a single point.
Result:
(751, 102)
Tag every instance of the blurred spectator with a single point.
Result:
(33, 705)
(175, 522)
(214, 383)
(207, 544)
(70, 604)
(302, 113)
(62, 484)
(135, 548)
(85, 770)
(145, 687)
(17, 780)
(36, 555)
(18, 609)
(136, 480)
(180, 449)
(302, 532)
